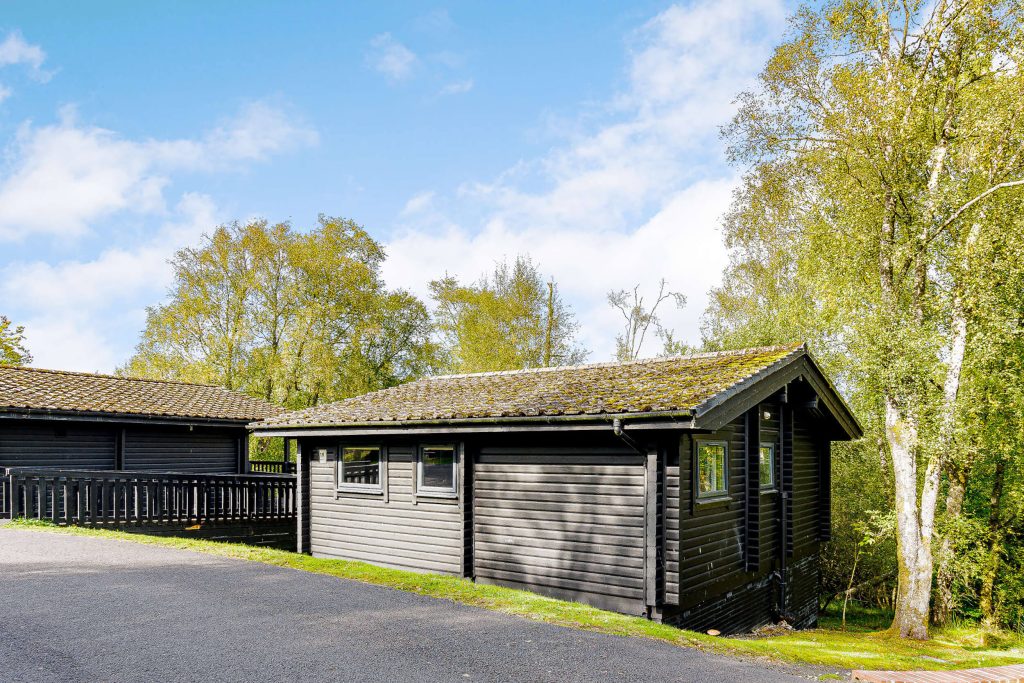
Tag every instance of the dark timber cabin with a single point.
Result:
(693, 490)
(80, 421)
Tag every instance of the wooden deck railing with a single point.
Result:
(113, 498)
(272, 466)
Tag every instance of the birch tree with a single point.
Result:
(886, 137)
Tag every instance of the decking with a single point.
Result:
(252, 508)
(993, 674)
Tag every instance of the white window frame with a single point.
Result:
(361, 488)
(717, 493)
(438, 491)
(771, 465)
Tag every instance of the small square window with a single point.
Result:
(359, 468)
(711, 469)
(436, 470)
(767, 466)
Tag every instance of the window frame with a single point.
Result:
(717, 494)
(770, 445)
(349, 487)
(437, 491)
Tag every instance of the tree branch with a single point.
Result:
(956, 214)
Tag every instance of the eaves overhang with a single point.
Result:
(676, 419)
(13, 413)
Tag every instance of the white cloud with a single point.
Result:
(390, 57)
(68, 175)
(75, 302)
(680, 242)
(16, 50)
(256, 133)
(67, 179)
(458, 87)
(633, 200)
(418, 204)
(5, 92)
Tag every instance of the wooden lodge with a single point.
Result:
(139, 455)
(81, 421)
(693, 490)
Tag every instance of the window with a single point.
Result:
(435, 471)
(767, 466)
(711, 469)
(359, 468)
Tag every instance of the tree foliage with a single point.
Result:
(296, 318)
(508, 320)
(12, 343)
(883, 160)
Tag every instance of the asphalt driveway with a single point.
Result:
(88, 609)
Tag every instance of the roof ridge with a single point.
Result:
(78, 373)
(608, 364)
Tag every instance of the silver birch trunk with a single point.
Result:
(947, 430)
(913, 529)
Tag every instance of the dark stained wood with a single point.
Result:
(181, 450)
(121, 498)
(651, 504)
(786, 479)
(41, 444)
(825, 490)
(752, 493)
(550, 518)
(85, 445)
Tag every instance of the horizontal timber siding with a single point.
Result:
(671, 530)
(738, 610)
(65, 446)
(806, 510)
(770, 500)
(181, 450)
(802, 585)
(561, 521)
(421, 536)
(711, 533)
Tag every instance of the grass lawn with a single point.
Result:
(864, 645)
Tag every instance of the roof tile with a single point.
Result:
(24, 388)
(676, 384)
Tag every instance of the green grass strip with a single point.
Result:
(959, 647)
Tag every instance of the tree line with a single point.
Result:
(303, 317)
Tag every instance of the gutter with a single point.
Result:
(133, 418)
(673, 419)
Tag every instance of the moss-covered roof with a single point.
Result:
(678, 384)
(35, 389)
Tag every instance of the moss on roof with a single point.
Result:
(36, 389)
(675, 384)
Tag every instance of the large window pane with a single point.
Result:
(360, 466)
(437, 468)
(711, 474)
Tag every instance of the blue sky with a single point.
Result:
(584, 134)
